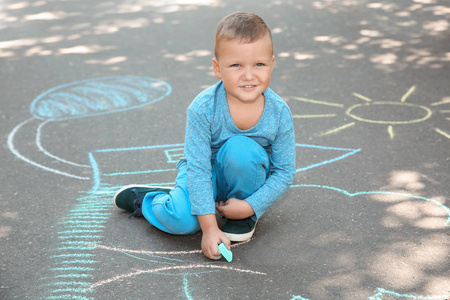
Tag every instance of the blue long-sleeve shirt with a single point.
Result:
(209, 126)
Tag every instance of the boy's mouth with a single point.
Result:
(250, 86)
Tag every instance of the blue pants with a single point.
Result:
(241, 167)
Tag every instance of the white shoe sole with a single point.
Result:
(233, 237)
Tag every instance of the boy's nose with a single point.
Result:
(248, 74)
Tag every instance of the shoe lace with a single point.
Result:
(137, 203)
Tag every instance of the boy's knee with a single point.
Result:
(238, 141)
(241, 151)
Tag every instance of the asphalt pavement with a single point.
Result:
(93, 97)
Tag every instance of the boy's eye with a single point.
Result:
(235, 65)
(260, 65)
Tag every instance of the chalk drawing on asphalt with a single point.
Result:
(93, 97)
(175, 261)
(177, 265)
(12, 147)
(379, 112)
(81, 231)
(85, 98)
(80, 237)
(184, 269)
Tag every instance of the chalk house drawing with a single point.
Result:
(80, 238)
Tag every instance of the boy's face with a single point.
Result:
(245, 68)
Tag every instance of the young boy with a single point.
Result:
(239, 146)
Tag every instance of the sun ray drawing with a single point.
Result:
(388, 113)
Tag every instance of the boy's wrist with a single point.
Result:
(207, 222)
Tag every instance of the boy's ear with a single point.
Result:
(216, 68)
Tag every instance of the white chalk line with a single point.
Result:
(41, 148)
(17, 153)
(163, 269)
(146, 252)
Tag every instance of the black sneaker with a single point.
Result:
(130, 197)
(239, 230)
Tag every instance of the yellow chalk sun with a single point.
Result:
(379, 112)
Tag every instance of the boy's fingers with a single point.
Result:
(214, 257)
(212, 253)
(216, 254)
(220, 209)
(228, 244)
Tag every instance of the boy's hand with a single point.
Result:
(235, 209)
(212, 236)
(210, 243)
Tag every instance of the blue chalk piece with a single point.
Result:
(225, 252)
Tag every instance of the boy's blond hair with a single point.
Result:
(243, 26)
